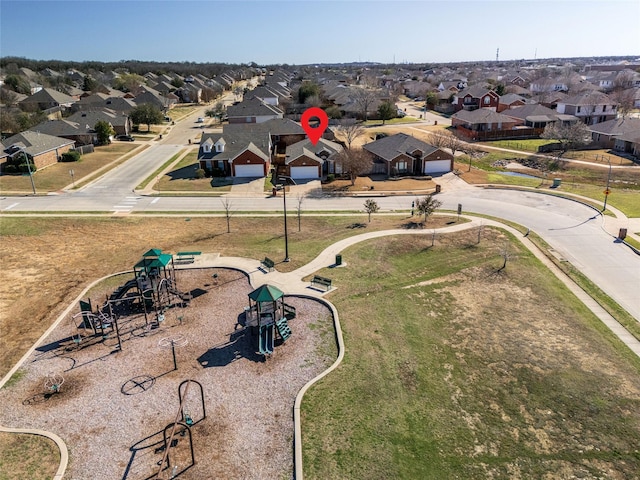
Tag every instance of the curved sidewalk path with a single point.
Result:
(292, 283)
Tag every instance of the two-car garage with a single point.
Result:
(249, 170)
(300, 173)
(437, 166)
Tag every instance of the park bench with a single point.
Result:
(318, 281)
(186, 257)
(268, 264)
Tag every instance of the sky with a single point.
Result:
(307, 32)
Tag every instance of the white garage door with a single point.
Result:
(304, 172)
(249, 171)
(437, 166)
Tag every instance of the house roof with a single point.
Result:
(482, 115)
(236, 141)
(617, 126)
(315, 152)
(510, 98)
(35, 143)
(593, 97)
(49, 95)
(534, 109)
(63, 128)
(253, 107)
(391, 147)
(476, 91)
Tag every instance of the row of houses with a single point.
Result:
(281, 144)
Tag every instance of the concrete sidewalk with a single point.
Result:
(292, 283)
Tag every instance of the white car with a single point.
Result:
(200, 120)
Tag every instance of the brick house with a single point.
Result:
(43, 149)
(484, 124)
(304, 160)
(402, 154)
(476, 97)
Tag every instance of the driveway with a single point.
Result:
(247, 187)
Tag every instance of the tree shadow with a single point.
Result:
(184, 173)
(412, 225)
(357, 225)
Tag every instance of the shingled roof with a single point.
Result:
(35, 143)
(390, 147)
(318, 152)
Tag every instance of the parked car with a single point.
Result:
(200, 120)
(125, 138)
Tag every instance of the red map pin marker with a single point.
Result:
(314, 133)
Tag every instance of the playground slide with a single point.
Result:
(266, 339)
(118, 294)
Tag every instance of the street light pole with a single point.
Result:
(33, 185)
(606, 190)
(286, 235)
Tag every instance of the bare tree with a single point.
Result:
(472, 152)
(571, 136)
(625, 100)
(226, 204)
(354, 162)
(364, 99)
(504, 253)
(427, 205)
(350, 132)
(446, 139)
(371, 206)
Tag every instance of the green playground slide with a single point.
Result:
(266, 339)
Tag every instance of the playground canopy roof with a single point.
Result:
(154, 252)
(162, 260)
(266, 293)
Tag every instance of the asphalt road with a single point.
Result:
(573, 230)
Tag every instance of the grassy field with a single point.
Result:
(441, 381)
(438, 381)
(24, 456)
(57, 176)
(578, 179)
(393, 121)
(182, 178)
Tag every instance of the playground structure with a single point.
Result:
(180, 427)
(267, 316)
(153, 290)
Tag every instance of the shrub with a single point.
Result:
(330, 178)
(200, 173)
(71, 156)
(24, 168)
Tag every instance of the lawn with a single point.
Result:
(182, 178)
(25, 456)
(528, 145)
(393, 121)
(455, 369)
(57, 176)
(437, 381)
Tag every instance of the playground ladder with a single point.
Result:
(283, 328)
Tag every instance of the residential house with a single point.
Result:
(538, 116)
(485, 124)
(253, 110)
(267, 94)
(104, 101)
(80, 133)
(242, 154)
(46, 99)
(304, 160)
(511, 100)
(477, 96)
(43, 149)
(163, 102)
(120, 122)
(629, 143)
(402, 154)
(590, 107)
(606, 133)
